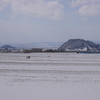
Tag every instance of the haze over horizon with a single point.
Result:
(29, 21)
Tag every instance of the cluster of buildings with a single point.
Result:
(10, 49)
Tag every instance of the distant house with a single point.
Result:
(31, 50)
(36, 50)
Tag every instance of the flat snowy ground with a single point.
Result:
(49, 76)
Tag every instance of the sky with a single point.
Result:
(29, 21)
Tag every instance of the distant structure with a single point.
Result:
(79, 45)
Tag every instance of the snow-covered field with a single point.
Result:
(49, 76)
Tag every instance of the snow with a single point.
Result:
(49, 76)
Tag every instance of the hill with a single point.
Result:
(7, 47)
(79, 45)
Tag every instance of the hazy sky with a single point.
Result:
(29, 21)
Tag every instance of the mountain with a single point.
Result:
(7, 47)
(79, 45)
(47, 45)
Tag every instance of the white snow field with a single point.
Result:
(49, 76)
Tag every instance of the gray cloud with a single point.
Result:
(3, 3)
(90, 10)
(75, 3)
(37, 8)
(87, 7)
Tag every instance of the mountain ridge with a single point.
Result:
(79, 45)
(7, 47)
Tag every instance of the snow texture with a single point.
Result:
(49, 76)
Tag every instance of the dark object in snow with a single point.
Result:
(28, 57)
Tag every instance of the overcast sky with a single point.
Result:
(29, 21)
